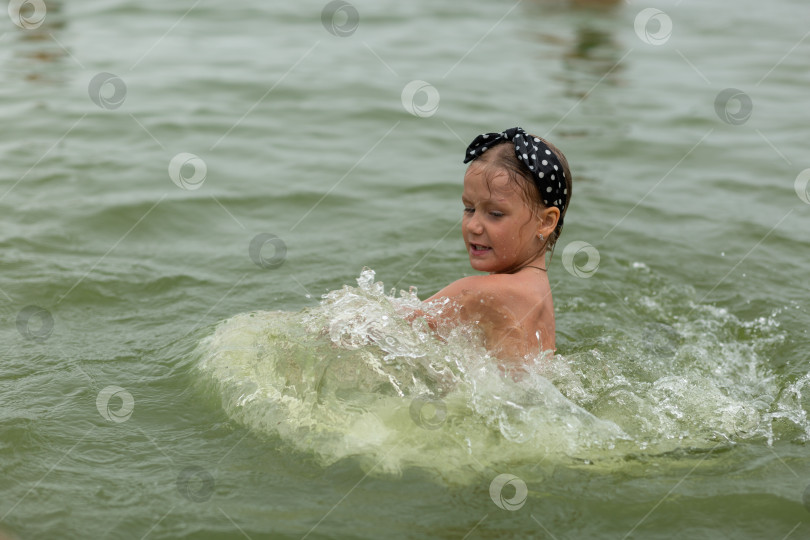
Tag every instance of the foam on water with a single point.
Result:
(351, 377)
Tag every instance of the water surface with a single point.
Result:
(161, 378)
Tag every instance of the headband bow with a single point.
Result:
(546, 169)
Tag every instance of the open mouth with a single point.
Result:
(480, 248)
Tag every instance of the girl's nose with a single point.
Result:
(473, 225)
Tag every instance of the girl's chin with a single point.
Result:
(483, 266)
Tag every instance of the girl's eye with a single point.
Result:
(496, 214)
(468, 210)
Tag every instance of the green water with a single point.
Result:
(676, 407)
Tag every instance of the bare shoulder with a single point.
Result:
(492, 284)
(526, 297)
(515, 312)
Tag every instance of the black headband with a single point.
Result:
(546, 169)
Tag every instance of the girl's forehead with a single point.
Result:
(488, 182)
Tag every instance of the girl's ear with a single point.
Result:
(548, 221)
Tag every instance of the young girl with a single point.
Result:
(516, 192)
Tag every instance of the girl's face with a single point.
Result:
(499, 229)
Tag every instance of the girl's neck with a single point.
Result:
(538, 263)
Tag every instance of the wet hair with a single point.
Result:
(502, 156)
